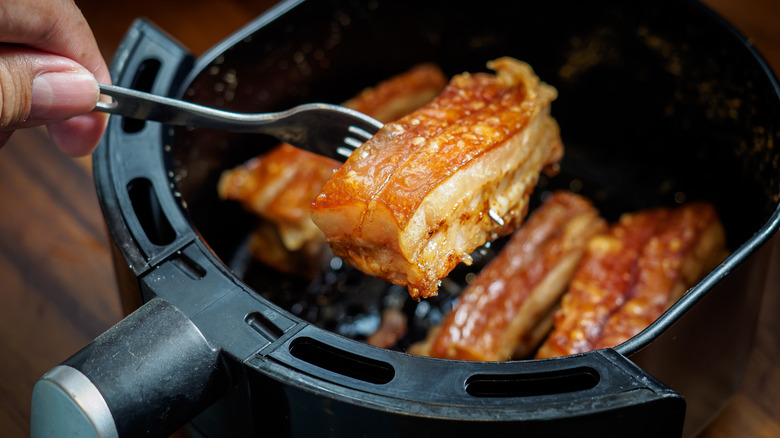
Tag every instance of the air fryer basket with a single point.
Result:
(659, 104)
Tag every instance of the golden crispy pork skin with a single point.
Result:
(688, 245)
(417, 199)
(498, 313)
(632, 274)
(279, 185)
(401, 94)
(599, 286)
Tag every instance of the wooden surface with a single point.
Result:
(57, 286)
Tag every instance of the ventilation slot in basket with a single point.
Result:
(533, 384)
(149, 212)
(342, 362)
(142, 81)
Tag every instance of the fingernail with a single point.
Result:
(63, 94)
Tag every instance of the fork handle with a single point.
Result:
(316, 127)
(136, 104)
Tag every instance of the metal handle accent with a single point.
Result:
(146, 376)
(64, 399)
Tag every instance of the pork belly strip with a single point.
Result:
(414, 201)
(393, 327)
(266, 245)
(498, 313)
(600, 283)
(614, 296)
(688, 245)
(279, 185)
(401, 94)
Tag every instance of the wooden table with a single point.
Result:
(56, 278)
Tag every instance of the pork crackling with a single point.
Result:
(279, 185)
(503, 313)
(631, 274)
(431, 187)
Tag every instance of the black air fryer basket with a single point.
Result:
(659, 103)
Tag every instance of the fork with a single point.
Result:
(329, 130)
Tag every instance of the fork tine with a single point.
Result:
(360, 132)
(344, 151)
(352, 142)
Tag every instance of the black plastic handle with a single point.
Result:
(146, 376)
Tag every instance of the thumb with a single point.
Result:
(38, 88)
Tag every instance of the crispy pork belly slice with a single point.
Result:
(688, 245)
(498, 314)
(392, 328)
(417, 199)
(630, 276)
(279, 185)
(266, 245)
(599, 286)
(401, 94)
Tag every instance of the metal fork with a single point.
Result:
(329, 130)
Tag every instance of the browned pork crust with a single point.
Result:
(498, 313)
(279, 185)
(416, 199)
(632, 274)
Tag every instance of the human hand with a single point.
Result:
(49, 69)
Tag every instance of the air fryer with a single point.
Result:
(658, 103)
